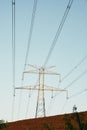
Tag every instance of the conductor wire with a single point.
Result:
(30, 32)
(84, 58)
(28, 50)
(13, 54)
(58, 31)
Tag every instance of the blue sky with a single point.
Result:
(70, 49)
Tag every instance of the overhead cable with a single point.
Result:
(75, 67)
(13, 108)
(70, 84)
(30, 32)
(59, 31)
(64, 105)
(29, 42)
(28, 103)
(13, 54)
(13, 41)
(28, 49)
(74, 95)
(80, 76)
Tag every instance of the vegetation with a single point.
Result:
(47, 126)
(3, 124)
(75, 121)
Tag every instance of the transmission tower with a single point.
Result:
(41, 88)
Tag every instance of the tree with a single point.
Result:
(3, 124)
(68, 123)
(75, 121)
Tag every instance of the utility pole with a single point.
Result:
(41, 88)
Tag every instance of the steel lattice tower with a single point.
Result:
(41, 88)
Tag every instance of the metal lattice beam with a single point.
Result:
(41, 88)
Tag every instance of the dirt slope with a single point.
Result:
(48, 123)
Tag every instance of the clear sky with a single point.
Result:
(69, 53)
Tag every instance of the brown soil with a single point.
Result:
(46, 123)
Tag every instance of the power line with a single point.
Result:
(74, 95)
(13, 107)
(64, 105)
(13, 54)
(59, 31)
(29, 95)
(30, 32)
(28, 48)
(74, 68)
(31, 28)
(80, 76)
(13, 41)
(29, 41)
(70, 84)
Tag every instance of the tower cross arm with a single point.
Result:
(50, 88)
(46, 88)
(41, 72)
(51, 73)
(31, 71)
(31, 87)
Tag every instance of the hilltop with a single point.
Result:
(58, 122)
